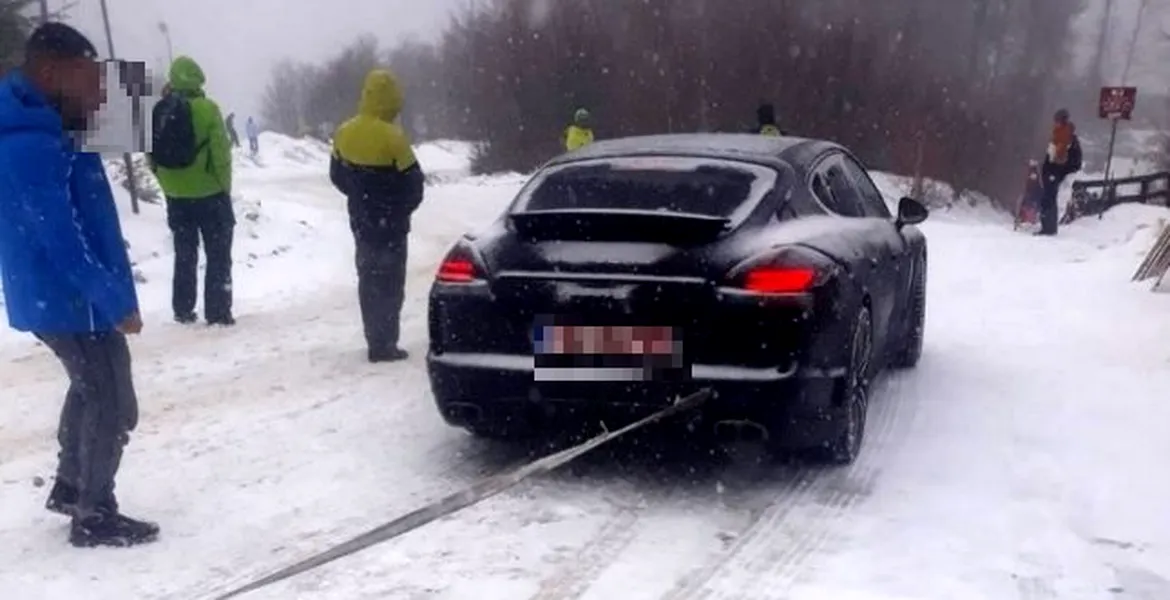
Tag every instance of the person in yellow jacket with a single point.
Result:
(374, 165)
(578, 134)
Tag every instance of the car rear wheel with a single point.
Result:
(911, 351)
(846, 446)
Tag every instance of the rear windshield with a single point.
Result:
(708, 187)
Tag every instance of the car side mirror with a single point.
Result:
(911, 212)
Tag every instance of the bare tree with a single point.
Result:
(1101, 57)
(955, 89)
(15, 25)
(284, 105)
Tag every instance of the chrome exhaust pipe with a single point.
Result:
(740, 431)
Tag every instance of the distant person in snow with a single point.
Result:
(66, 276)
(1064, 157)
(579, 133)
(374, 165)
(253, 131)
(192, 159)
(230, 122)
(766, 121)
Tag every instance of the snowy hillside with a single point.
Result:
(1023, 459)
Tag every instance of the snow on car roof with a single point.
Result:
(755, 148)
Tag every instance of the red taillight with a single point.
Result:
(779, 280)
(457, 269)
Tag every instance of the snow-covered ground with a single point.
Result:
(1025, 458)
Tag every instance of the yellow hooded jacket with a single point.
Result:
(577, 136)
(374, 165)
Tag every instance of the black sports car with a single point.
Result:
(636, 270)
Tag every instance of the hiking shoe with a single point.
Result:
(387, 356)
(222, 322)
(186, 319)
(111, 529)
(63, 500)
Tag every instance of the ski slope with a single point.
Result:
(1024, 459)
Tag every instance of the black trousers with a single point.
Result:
(213, 220)
(381, 269)
(101, 409)
(1049, 211)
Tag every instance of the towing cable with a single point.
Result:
(477, 492)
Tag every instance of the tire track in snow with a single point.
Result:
(301, 328)
(772, 548)
(592, 559)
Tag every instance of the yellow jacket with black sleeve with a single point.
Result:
(375, 167)
(577, 136)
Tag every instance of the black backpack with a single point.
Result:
(1076, 158)
(173, 141)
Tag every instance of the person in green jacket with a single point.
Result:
(192, 159)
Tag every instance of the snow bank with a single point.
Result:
(971, 207)
(1131, 226)
(445, 160)
(282, 156)
(260, 233)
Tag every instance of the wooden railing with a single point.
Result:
(1093, 197)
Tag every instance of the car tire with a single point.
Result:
(911, 350)
(845, 447)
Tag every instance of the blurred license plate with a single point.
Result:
(605, 340)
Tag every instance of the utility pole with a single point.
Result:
(166, 31)
(1133, 41)
(44, 11)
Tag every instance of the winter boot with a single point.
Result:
(105, 528)
(387, 356)
(63, 500)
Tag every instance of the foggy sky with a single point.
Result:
(238, 41)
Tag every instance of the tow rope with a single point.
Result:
(481, 490)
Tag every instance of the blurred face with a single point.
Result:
(1061, 118)
(80, 88)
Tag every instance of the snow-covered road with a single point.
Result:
(1025, 458)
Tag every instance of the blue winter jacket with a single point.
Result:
(63, 262)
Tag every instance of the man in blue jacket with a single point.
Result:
(65, 273)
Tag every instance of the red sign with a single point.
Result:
(1117, 103)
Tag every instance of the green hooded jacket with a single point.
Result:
(211, 173)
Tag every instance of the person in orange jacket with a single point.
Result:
(1064, 158)
(1063, 133)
